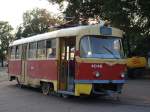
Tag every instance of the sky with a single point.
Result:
(12, 10)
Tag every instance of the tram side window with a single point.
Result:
(12, 54)
(41, 51)
(32, 50)
(18, 52)
(51, 48)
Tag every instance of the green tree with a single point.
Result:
(19, 32)
(142, 20)
(5, 38)
(132, 16)
(36, 21)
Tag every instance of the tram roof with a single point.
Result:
(67, 32)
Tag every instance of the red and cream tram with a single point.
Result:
(82, 60)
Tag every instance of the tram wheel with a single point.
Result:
(45, 88)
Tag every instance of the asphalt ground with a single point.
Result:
(135, 98)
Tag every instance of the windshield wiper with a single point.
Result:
(107, 49)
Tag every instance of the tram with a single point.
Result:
(82, 60)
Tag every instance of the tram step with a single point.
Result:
(66, 92)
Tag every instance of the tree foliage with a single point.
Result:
(36, 21)
(5, 38)
(132, 16)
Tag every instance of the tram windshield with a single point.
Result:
(101, 47)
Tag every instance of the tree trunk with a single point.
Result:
(2, 62)
(128, 45)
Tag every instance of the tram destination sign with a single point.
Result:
(105, 30)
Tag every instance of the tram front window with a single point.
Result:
(100, 47)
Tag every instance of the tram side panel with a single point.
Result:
(14, 68)
(42, 70)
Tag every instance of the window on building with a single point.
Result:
(18, 52)
(12, 52)
(41, 51)
(32, 50)
(51, 48)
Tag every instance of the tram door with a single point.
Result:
(67, 64)
(24, 65)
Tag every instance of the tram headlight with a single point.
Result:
(122, 75)
(97, 74)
